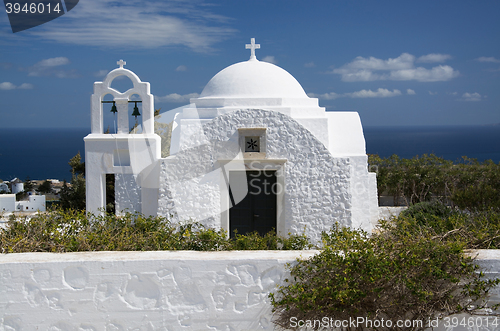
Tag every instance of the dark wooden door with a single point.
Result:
(257, 211)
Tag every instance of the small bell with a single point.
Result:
(136, 111)
(113, 109)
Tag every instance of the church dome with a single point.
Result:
(253, 79)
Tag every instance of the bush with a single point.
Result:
(476, 229)
(74, 231)
(392, 275)
(466, 184)
(427, 211)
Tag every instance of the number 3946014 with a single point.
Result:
(472, 322)
(31, 8)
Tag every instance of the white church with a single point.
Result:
(252, 153)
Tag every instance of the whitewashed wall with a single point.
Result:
(183, 290)
(316, 184)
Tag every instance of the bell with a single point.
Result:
(113, 109)
(136, 111)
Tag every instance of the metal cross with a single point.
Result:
(252, 46)
(121, 63)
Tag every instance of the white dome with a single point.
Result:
(253, 79)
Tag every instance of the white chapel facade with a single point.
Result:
(252, 153)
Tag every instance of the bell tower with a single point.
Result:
(131, 157)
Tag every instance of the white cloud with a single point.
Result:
(380, 93)
(101, 73)
(471, 96)
(139, 24)
(177, 98)
(400, 68)
(181, 68)
(326, 96)
(487, 59)
(453, 93)
(410, 92)
(48, 67)
(404, 61)
(7, 86)
(10, 86)
(434, 57)
(53, 62)
(309, 65)
(25, 86)
(439, 73)
(432, 93)
(362, 75)
(270, 59)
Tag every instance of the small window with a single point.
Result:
(252, 144)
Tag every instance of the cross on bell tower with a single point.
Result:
(121, 63)
(252, 46)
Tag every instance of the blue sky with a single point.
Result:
(400, 63)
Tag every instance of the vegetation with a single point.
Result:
(73, 197)
(45, 187)
(28, 184)
(476, 230)
(407, 270)
(73, 231)
(466, 184)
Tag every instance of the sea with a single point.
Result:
(44, 153)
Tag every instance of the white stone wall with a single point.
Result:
(360, 192)
(140, 290)
(7, 203)
(316, 185)
(127, 194)
(35, 203)
(169, 290)
(131, 157)
(386, 213)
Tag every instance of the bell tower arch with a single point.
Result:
(131, 157)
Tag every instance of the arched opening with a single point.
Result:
(110, 194)
(109, 119)
(121, 84)
(135, 122)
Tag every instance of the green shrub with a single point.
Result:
(392, 275)
(476, 229)
(466, 183)
(73, 231)
(424, 209)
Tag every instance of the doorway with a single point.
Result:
(257, 211)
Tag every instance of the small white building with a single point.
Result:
(35, 203)
(7, 203)
(252, 153)
(17, 185)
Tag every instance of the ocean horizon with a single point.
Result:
(44, 153)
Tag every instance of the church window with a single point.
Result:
(252, 144)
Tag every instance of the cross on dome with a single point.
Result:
(252, 46)
(121, 63)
